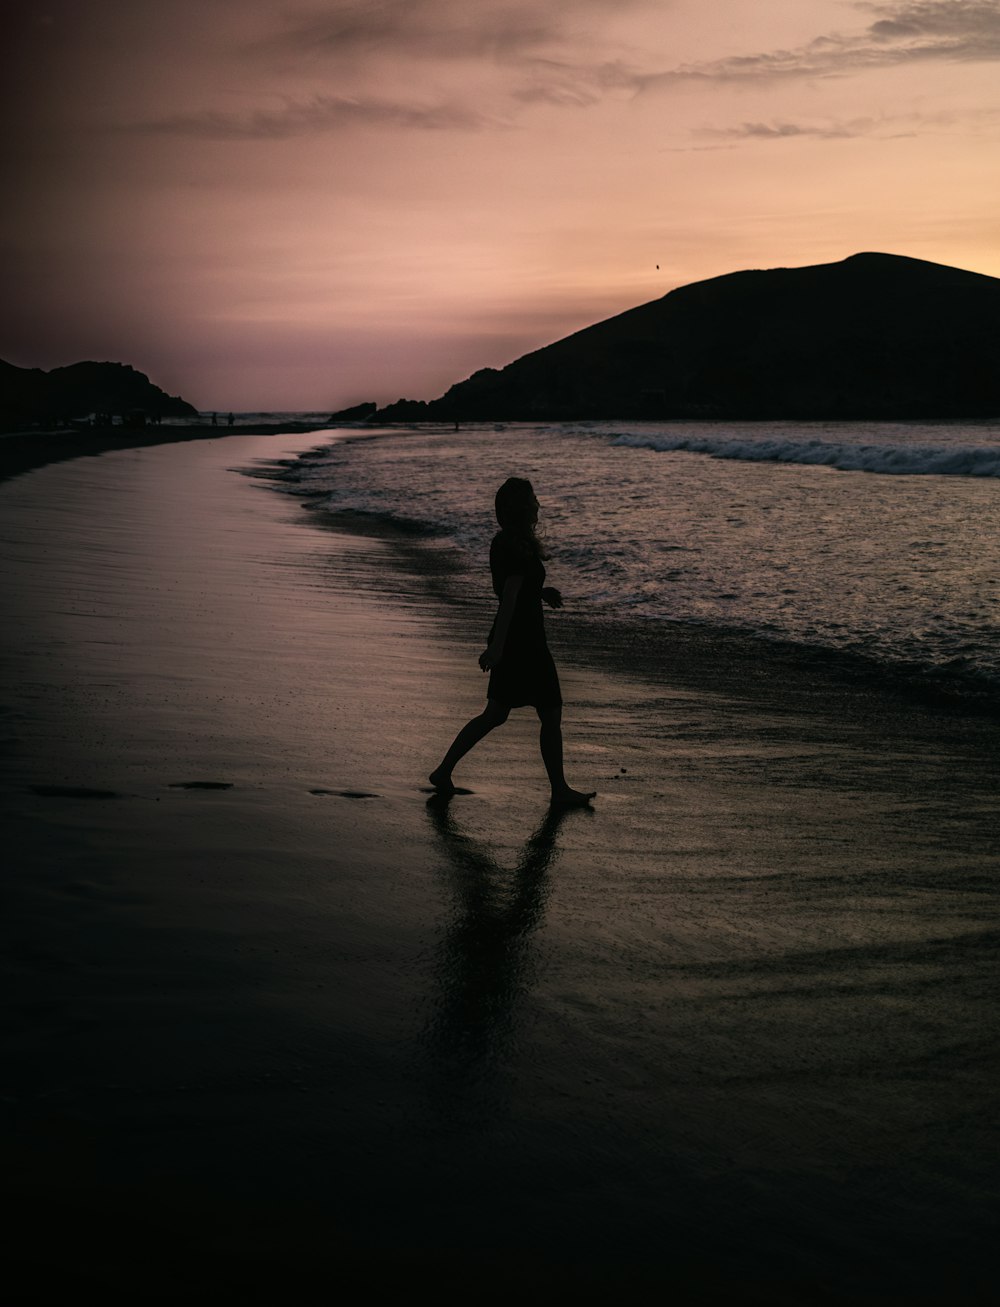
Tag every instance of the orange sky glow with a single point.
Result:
(306, 205)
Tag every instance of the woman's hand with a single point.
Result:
(489, 658)
(552, 597)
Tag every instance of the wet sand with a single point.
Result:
(279, 1028)
(23, 451)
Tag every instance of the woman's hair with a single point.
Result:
(515, 508)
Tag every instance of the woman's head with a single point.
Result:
(516, 506)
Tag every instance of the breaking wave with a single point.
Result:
(885, 459)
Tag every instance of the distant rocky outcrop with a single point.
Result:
(356, 413)
(874, 336)
(414, 410)
(29, 396)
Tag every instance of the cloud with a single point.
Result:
(883, 128)
(553, 55)
(548, 81)
(502, 30)
(781, 131)
(435, 29)
(545, 54)
(916, 31)
(315, 116)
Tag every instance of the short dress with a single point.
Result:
(526, 673)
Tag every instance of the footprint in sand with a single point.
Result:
(72, 792)
(446, 794)
(201, 785)
(347, 794)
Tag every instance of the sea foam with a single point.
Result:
(886, 459)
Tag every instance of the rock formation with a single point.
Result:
(31, 397)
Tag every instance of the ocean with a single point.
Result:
(729, 1035)
(871, 543)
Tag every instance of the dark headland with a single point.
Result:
(875, 336)
(89, 408)
(32, 397)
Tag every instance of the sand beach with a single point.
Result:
(279, 1028)
(23, 451)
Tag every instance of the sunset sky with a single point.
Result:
(303, 205)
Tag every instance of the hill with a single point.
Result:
(31, 396)
(873, 336)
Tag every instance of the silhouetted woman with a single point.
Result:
(517, 657)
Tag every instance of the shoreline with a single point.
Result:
(728, 660)
(273, 1016)
(916, 653)
(23, 451)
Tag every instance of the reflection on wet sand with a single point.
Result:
(485, 965)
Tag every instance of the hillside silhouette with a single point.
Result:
(873, 336)
(30, 396)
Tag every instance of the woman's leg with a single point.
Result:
(493, 715)
(551, 742)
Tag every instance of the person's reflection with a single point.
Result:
(485, 961)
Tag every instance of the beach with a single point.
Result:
(23, 451)
(279, 1025)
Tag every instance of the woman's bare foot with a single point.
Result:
(568, 798)
(441, 780)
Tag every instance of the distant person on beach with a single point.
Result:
(517, 656)
(229, 420)
(215, 421)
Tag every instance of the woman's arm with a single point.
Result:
(512, 588)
